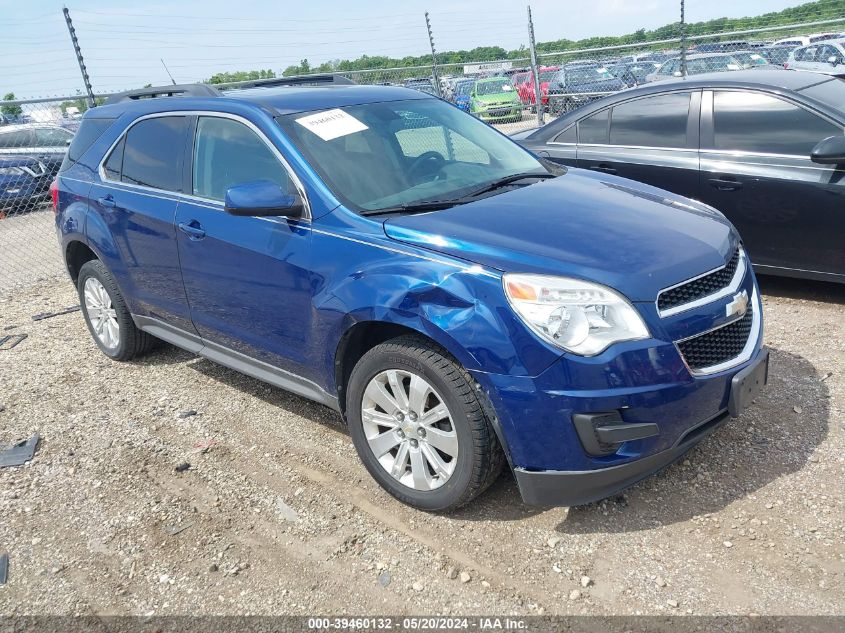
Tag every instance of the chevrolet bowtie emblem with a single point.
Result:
(738, 305)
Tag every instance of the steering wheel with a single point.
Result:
(434, 160)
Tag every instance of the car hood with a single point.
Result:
(632, 237)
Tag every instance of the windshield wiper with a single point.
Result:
(437, 205)
(503, 182)
(413, 207)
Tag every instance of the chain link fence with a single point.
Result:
(35, 134)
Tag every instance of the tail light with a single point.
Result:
(54, 194)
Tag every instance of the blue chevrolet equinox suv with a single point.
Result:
(460, 302)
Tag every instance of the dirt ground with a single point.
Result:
(275, 515)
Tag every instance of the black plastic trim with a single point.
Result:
(574, 488)
(237, 361)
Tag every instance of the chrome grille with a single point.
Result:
(699, 288)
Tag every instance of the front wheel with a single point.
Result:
(418, 426)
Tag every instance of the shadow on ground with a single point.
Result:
(768, 441)
(802, 289)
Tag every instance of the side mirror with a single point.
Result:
(830, 151)
(833, 60)
(677, 73)
(262, 198)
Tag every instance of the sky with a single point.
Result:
(123, 42)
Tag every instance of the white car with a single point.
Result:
(826, 57)
(45, 142)
(806, 40)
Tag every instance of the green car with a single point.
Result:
(495, 99)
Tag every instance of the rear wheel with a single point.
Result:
(418, 427)
(107, 316)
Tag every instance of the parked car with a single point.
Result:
(46, 143)
(776, 55)
(751, 59)
(460, 303)
(765, 155)
(423, 85)
(721, 47)
(828, 58)
(634, 73)
(495, 99)
(462, 92)
(524, 84)
(696, 65)
(573, 86)
(24, 183)
(806, 40)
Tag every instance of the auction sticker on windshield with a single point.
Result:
(331, 124)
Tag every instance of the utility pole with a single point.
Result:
(85, 79)
(535, 70)
(433, 57)
(683, 42)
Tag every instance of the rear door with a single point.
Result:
(756, 169)
(653, 139)
(136, 199)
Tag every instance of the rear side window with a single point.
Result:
(753, 122)
(89, 131)
(52, 137)
(228, 153)
(152, 156)
(114, 164)
(567, 136)
(593, 129)
(659, 121)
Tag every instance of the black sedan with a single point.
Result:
(766, 148)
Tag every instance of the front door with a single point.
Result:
(756, 169)
(247, 278)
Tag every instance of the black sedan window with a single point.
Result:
(754, 122)
(659, 121)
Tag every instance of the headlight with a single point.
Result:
(577, 316)
(10, 171)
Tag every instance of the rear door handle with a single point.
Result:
(725, 184)
(602, 167)
(106, 201)
(193, 230)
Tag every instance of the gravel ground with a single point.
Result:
(275, 515)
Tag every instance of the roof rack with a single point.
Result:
(178, 90)
(208, 90)
(293, 80)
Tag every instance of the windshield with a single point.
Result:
(493, 87)
(830, 92)
(751, 59)
(588, 73)
(380, 155)
(712, 64)
(464, 88)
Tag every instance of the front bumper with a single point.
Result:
(641, 391)
(573, 488)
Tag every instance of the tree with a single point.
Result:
(11, 110)
(241, 75)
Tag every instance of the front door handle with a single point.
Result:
(192, 229)
(106, 201)
(725, 184)
(604, 168)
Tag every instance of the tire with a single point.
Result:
(479, 457)
(129, 341)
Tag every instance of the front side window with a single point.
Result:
(228, 153)
(152, 156)
(754, 122)
(659, 121)
(381, 155)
